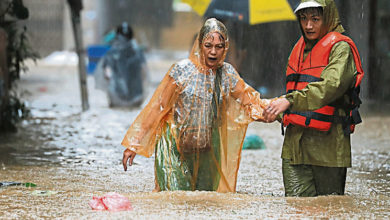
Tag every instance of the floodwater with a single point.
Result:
(72, 156)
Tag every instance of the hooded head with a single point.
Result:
(326, 9)
(211, 45)
(125, 30)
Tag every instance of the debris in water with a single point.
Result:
(111, 201)
(8, 183)
(43, 192)
(253, 142)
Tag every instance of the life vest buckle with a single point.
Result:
(356, 118)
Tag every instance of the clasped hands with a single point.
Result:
(276, 107)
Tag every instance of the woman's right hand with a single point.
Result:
(128, 155)
(276, 107)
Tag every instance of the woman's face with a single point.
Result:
(213, 48)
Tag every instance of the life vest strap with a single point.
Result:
(314, 115)
(355, 96)
(346, 121)
(355, 116)
(298, 77)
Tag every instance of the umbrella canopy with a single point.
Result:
(248, 11)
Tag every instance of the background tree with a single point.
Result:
(14, 50)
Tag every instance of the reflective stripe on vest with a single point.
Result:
(300, 73)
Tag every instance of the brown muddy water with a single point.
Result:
(73, 156)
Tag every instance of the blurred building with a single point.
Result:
(157, 24)
(46, 25)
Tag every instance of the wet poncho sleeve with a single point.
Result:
(248, 97)
(142, 134)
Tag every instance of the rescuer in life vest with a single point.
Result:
(319, 109)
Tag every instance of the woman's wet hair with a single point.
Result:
(212, 25)
(209, 34)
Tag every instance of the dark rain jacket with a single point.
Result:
(125, 59)
(312, 147)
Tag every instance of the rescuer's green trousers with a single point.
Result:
(309, 180)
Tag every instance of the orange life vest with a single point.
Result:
(300, 73)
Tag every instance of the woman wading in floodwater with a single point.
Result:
(196, 121)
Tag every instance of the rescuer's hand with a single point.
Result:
(275, 108)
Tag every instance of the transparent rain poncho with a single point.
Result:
(195, 123)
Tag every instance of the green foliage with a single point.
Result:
(18, 50)
(15, 110)
(15, 8)
(12, 109)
